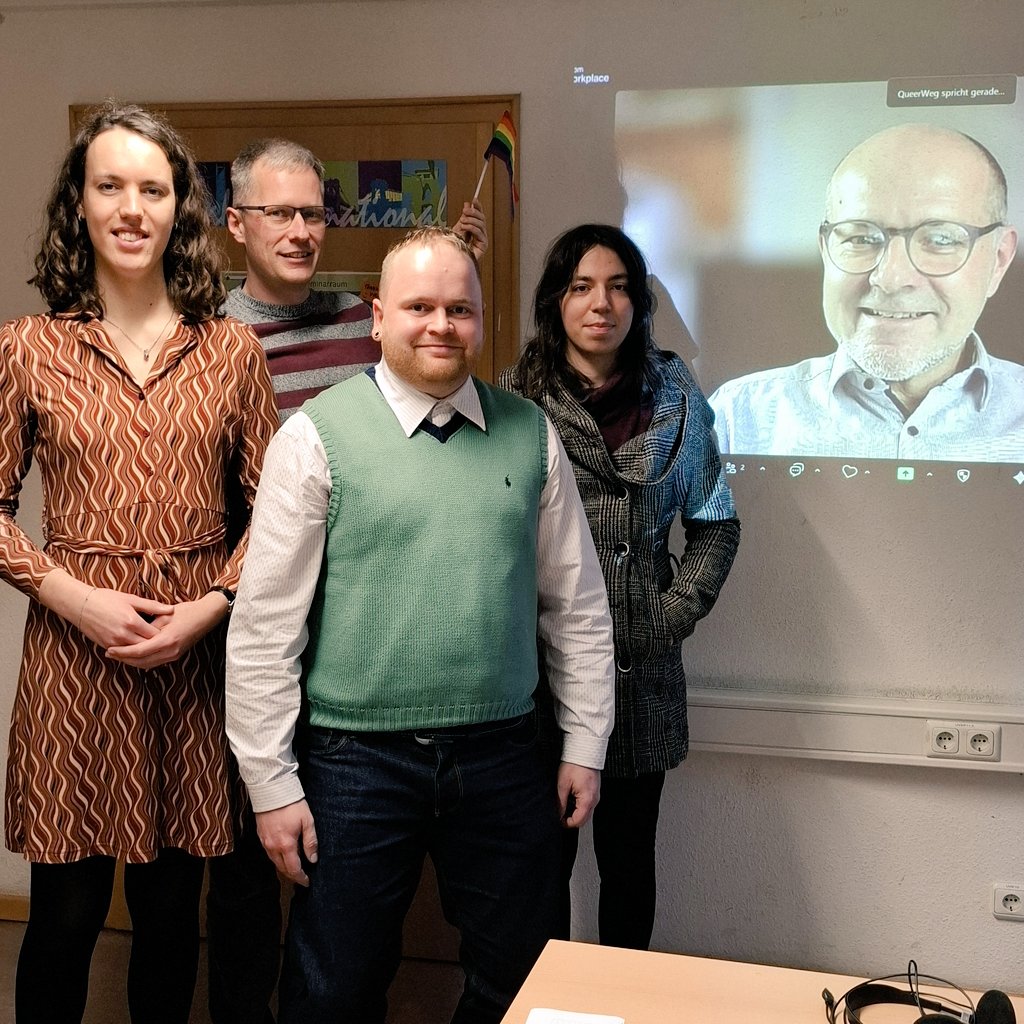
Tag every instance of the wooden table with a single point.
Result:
(664, 988)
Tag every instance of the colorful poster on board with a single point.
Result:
(386, 193)
(360, 193)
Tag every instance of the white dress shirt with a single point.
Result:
(268, 625)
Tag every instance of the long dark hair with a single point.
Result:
(543, 360)
(193, 261)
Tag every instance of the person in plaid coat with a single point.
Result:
(640, 436)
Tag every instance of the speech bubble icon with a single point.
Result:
(796, 469)
(849, 471)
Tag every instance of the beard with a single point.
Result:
(895, 363)
(433, 376)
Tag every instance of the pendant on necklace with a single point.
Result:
(145, 355)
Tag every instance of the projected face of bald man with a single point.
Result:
(897, 323)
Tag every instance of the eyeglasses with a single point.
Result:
(936, 248)
(282, 216)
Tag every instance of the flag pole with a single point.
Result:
(479, 184)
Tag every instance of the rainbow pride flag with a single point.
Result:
(503, 146)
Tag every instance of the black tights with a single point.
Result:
(68, 905)
(625, 829)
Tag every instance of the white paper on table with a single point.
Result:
(539, 1015)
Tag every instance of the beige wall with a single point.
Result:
(845, 867)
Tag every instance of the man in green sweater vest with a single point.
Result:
(415, 531)
(312, 339)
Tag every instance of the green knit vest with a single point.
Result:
(425, 613)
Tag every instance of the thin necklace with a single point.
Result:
(153, 344)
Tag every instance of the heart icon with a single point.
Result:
(849, 471)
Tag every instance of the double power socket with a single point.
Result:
(965, 741)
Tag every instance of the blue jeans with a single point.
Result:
(481, 801)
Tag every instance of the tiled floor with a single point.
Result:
(425, 992)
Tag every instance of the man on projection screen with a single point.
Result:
(913, 244)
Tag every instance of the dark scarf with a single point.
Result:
(618, 410)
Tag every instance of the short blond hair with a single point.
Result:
(428, 238)
(275, 154)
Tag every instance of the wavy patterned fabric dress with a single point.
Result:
(105, 758)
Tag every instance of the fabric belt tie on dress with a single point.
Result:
(155, 564)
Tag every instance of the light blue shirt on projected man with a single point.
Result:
(829, 406)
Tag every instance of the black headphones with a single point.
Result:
(994, 1007)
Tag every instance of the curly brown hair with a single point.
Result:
(193, 260)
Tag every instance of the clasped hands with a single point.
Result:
(144, 633)
(132, 629)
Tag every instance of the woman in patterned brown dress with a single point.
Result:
(138, 405)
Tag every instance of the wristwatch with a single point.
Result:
(229, 594)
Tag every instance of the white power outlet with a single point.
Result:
(965, 741)
(944, 740)
(1008, 901)
(980, 742)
